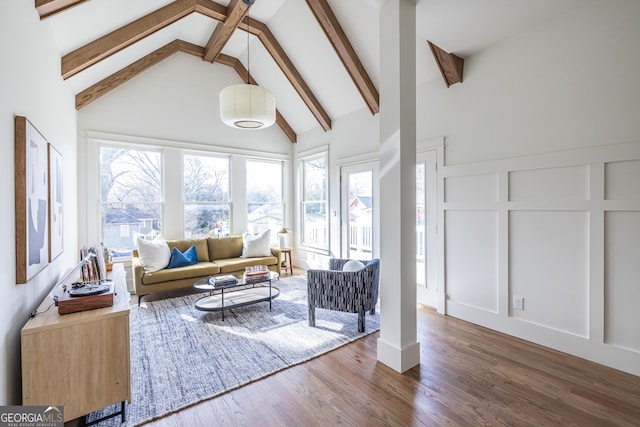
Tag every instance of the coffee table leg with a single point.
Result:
(269, 294)
(222, 296)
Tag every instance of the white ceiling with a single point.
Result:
(463, 27)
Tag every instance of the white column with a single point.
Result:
(398, 346)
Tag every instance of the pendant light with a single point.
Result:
(247, 106)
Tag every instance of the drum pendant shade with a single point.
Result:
(247, 106)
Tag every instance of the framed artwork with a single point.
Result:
(32, 200)
(56, 211)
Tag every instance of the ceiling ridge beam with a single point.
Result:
(236, 12)
(278, 54)
(47, 8)
(109, 83)
(211, 9)
(105, 46)
(347, 54)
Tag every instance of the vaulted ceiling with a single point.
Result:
(320, 58)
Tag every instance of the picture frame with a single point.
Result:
(32, 200)
(56, 205)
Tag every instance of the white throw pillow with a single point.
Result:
(352, 265)
(154, 254)
(256, 245)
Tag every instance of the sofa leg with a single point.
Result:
(373, 311)
(361, 321)
(140, 298)
(312, 316)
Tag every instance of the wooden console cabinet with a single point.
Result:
(79, 360)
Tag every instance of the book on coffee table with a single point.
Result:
(223, 280)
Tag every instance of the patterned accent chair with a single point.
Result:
(348, 291)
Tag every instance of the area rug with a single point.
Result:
(181, 356)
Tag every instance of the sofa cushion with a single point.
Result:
(166, 275)
(179, 259)
(238, 264)
(202, 248)
(256, 245)
(224, 247)
(154, 254)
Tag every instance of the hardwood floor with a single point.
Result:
(468, 375)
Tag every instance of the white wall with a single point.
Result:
(31, 86)
(559, 228)
(570, 83)
(540, 190)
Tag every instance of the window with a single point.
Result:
(314, 219)
(130, 197)
(207, 207)
(264, 197)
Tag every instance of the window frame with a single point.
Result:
(303, 159)
(89, 210)
(228, 202)
(281, 163)
(160, 203)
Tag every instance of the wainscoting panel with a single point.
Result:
(471, 267)
(548, 267)
(471, 188)
(618, 176)
(568, 183)
(622, 279)
(562, 231)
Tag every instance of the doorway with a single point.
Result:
(426, 228)
(359, 216)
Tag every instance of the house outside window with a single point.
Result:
(314, 215)
(130, 197)
(207, 204)
(265, 205)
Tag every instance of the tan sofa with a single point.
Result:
(216, 256)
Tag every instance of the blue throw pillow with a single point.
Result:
(179, 259)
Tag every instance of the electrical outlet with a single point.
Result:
(518, 303)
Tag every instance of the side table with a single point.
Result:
(288, 266)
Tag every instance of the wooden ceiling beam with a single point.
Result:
(278, 54)
(47, 8)
(91, 53)
(106, 85)
(334, 32)
(236, 12)
(105, 46)
(450, 65)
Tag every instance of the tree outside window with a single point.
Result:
(130, 197)
(207, 205)
(264, 197)
(315, 222)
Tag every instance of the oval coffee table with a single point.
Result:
(232, 297)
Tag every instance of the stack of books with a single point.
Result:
(223, 280)
(255, 274)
